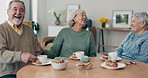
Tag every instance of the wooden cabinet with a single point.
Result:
(101, 39)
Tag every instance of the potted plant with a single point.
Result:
(35, 27)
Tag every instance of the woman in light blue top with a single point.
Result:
(135, 45)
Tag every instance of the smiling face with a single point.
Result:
(16, 13)
(80, 18)
(136, 25)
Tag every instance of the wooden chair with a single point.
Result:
(28, 22)
(47, 42)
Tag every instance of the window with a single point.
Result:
(34, 10)
(3, 12)
(4, 7)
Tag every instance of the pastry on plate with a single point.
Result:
(73, 57)
(111, 63)
(37, 62)
(85, 66)
(108, 62)
(105, 56)
(58, 61)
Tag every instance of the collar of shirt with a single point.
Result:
(17, 29)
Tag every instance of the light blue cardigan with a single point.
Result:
(134, 47)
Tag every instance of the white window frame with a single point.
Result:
(3, 12)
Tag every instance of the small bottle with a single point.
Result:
(65, 23)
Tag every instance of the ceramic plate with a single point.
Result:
(47, 63)
(101, 58)
(120, 65)
(74, 58)
(118, 58)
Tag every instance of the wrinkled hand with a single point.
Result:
(28, 57)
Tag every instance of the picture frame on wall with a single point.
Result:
(122, 18)
(71, 8)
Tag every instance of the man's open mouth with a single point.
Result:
(17, 16)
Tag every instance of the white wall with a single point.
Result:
(94, 9)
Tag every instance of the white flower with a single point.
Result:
(51, 11)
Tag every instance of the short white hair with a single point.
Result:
(143, 16)
(71, 17)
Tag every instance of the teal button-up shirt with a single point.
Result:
(134, 47)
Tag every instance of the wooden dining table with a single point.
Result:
(140, 70)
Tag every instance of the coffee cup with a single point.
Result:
(42, 58)
(112, 56)
(79, 54)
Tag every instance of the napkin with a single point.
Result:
(85, 59)
(112, 56)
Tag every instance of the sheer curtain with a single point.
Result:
(31, 10)
(3, 12)
(28, 14)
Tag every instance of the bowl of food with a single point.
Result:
(59, 64)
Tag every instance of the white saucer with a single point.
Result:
(42, 64)
(101, 58)
(74, 58)
(120, 65)
(117, 59)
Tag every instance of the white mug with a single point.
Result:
(42, 58)
(112, 56)
(79, 54)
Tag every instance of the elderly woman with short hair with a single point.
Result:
(74, 38)
(135, 45)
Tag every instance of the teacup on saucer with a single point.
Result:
(42, 58)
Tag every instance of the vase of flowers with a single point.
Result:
(103, 21)
(57, 21)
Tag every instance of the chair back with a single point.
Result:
(28, 22)
(47, 42)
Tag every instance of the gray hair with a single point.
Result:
(143, 16)
(71, 22)
(9, 6)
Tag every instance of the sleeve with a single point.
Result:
(39, 48)
(119, 50)
(143, 54)
(57, 45)
(92, 50)
(7, 56)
